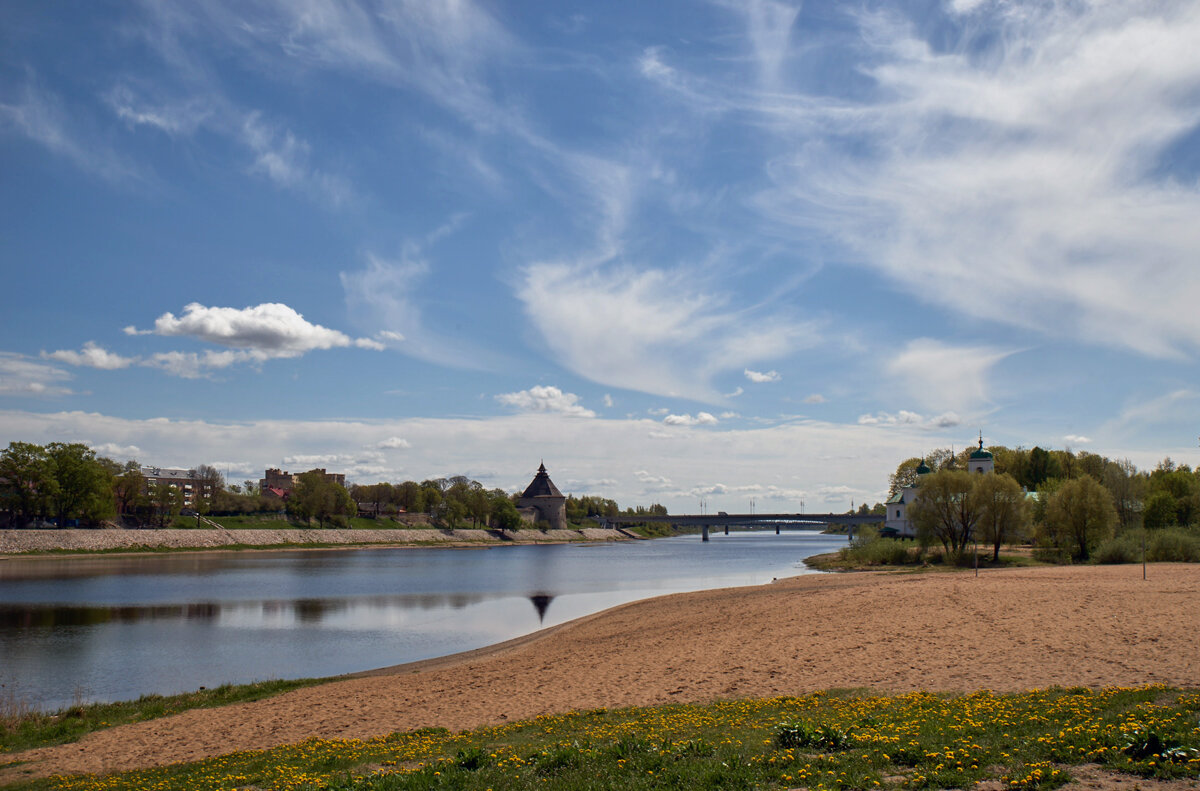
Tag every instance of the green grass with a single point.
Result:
(834, 740)
(22, 728)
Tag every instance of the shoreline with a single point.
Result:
(1009, 629)
(79, 543)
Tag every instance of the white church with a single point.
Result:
(897, 522)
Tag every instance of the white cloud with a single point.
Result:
(608, 400)
(193, 365)
(815, 398)
(941, 376)
(393, 443)
(906, 418)
(700, 419)
(116, 451)
(1076, 439)
(729, 415)
(284, 159)
(649, 330)
(547, 399)
(91, 356)
(1025, 172)
(20, 376)
(761, 378)
(264, 331)
(737, 391)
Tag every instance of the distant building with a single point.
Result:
(279, 483)
(980, 461)
(187, 481)
(543, 502)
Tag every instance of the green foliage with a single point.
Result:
(817, 737)
(841, 740)
(23, 728)
(876, 551)
(317, 497)
(1080, 515)
(947, 510)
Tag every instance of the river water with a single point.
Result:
(106, 628)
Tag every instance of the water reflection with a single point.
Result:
(368, 610)
(541, 603)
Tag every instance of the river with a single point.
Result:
(104, 628)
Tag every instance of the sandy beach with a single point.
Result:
(1007, 630)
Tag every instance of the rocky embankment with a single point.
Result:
(23, 541)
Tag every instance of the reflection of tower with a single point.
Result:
(541, 603)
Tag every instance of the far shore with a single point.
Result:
(73, 542)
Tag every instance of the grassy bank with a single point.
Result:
(22, 728)
(850, 740)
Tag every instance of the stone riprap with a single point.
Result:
(22, 541)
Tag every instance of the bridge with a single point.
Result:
(722, 519)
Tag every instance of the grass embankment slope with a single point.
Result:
(1007, 630)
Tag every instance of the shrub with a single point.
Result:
(1173, 544)
(821, 737)
(1125, 548)
(879, 552)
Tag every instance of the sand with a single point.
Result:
(1007, 630)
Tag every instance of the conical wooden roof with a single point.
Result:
(541, 485)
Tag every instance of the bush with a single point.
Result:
(1125, 548)
(880, 552)
(1173, 544)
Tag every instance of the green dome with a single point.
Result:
(981, 453)
(923, 468)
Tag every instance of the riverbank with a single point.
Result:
(26, 542)
(1005, 630)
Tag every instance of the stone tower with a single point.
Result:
(543, 502)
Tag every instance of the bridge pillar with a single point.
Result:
(776, 529)
(704, 532)
(726, 529)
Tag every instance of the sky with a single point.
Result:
(723, 255)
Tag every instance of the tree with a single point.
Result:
(212, 482)
(317, 497)
(504, 513)
(1081, 513)
(129, 487)
(946, 510)
(1128, 489)
(29, 484)
(83, 486)
(1003, 510)
(166, 500)
(904, 476)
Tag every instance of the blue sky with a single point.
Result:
(726, 250)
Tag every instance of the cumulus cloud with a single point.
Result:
(545, 398)
(194, 365)
(906, 418)
(91, 356)
(393, 443)
(761, 378)
(115, 450)
(608, 400)
(265, 331)
(815, 398)
(1076, 439)
(20, 376)
(700, 419)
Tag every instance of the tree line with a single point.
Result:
(1070, 504)
(70, 485)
